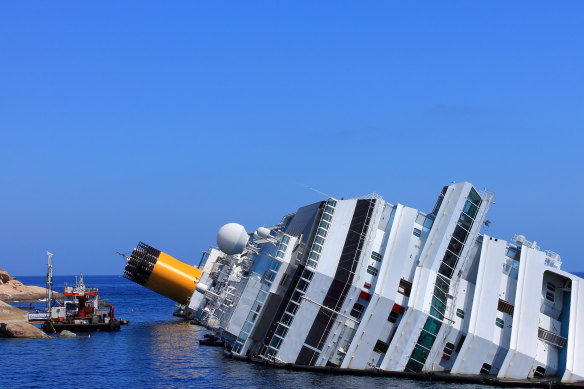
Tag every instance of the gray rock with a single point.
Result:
(20, 329)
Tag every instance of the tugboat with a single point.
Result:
(81, 310)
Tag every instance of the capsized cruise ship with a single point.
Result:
(364, 284)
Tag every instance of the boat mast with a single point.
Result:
(49, 282)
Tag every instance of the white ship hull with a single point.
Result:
(365, 285)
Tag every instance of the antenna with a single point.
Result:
(126, 256)
(49, 281)
(317, 191)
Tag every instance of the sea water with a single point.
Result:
(156, 350)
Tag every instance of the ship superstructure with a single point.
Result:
(365, 284)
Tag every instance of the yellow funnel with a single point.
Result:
(162, 273)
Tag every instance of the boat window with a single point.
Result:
(302, 285)
(474, 197)
(455, 246)
(380, 347)
(428, 223)
(327, 217)
(292, 308)
(331, 202)
(486, 369)
(470, 209)
(357, 310)
(551, 287)
(284, 279)
(261, 296)
(281, 331)
(393, 316)
(417, 232)
(539, 371)
(549, 296)
(376, 256)
(513, 253)
(276, 341)
(499, 323)
(448, 348)
(296, 296)
(405, 287)
(318, 240)
(460, 343)
(460, 234)
(450, 259)
(465, 221)
(270, 276)
(372, 270)
(460, 313)
(287, 319)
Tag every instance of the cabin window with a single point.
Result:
(460, 234)
(297, 296)
(460, 313)
(284, 279)
(486, 369)
(292, 308)
(465, 221)
(474, 197)
(470, 209)
(372, 270)
(550, 296)
(551, 287)
(393, 316)
(327, 217)
(505, 307)
(302, 285)
(405, 287)
(357, 310)
(281, 331)
(381, 347)
(539, 372)
(287, 319)
(499, 323)
(449, 348)
(376, 256)
(460, 343)
(513, 253)
(307, 274)
(417, 232)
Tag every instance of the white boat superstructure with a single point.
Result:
(365, 284)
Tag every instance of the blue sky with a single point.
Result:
(161, 122)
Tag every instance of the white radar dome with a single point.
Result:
(232, 238)
(263, 232)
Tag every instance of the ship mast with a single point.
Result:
(49, 282)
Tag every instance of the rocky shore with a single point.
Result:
(14, 321)
(12, 290)
(14, 324)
